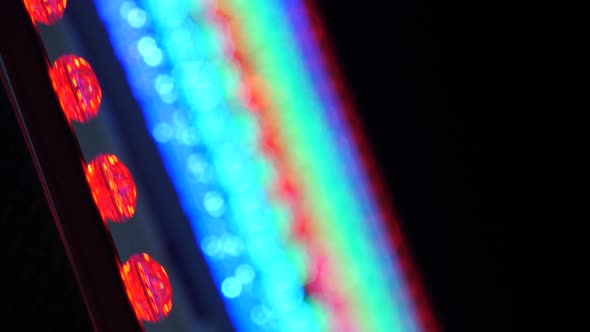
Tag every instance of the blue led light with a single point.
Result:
(245, 273)
(231, 287)
(136, 18)
(181, 98)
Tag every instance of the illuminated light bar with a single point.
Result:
(77, 88)
(172, 65)
(46, 11)
(148, 287)
(182, 99)
(382, 302)
(58, 161)
(113, 188)
(295, 144)
(302, 237)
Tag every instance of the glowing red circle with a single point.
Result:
(148, 287)
(112, 187)
(77, 87)
(46, 11)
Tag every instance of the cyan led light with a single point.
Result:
(181, 100)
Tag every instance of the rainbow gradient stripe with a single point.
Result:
(252, 133)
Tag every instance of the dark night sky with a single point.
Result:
(475, 116)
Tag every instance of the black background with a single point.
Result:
(39, 289)
(475, 114)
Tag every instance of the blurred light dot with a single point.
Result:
(162, 132)
(164, 84)
(46, 11)
(231, 244)
(77, 88)
(146, 45)
(260, 315)
(169, 98)
(153, 59)
(213, 203)
(148, 287)
(196, 164)
(125, 8)
(211, 246)
(112, 187)
(190, 138)
(199, 168)
(180, 134)
(231, 287)
(136, 17)
(180, 118)
(245, 273)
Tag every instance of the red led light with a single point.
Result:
(77, 87)
(148, 287)
(46, 11)
(112, 187)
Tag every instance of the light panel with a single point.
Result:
(181, 96)
(255, 139)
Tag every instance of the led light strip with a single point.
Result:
(376, 288)
(334, 278)
(260, 285)
(113, 190)
(303, 228)
(328, 305)
(337, 189)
